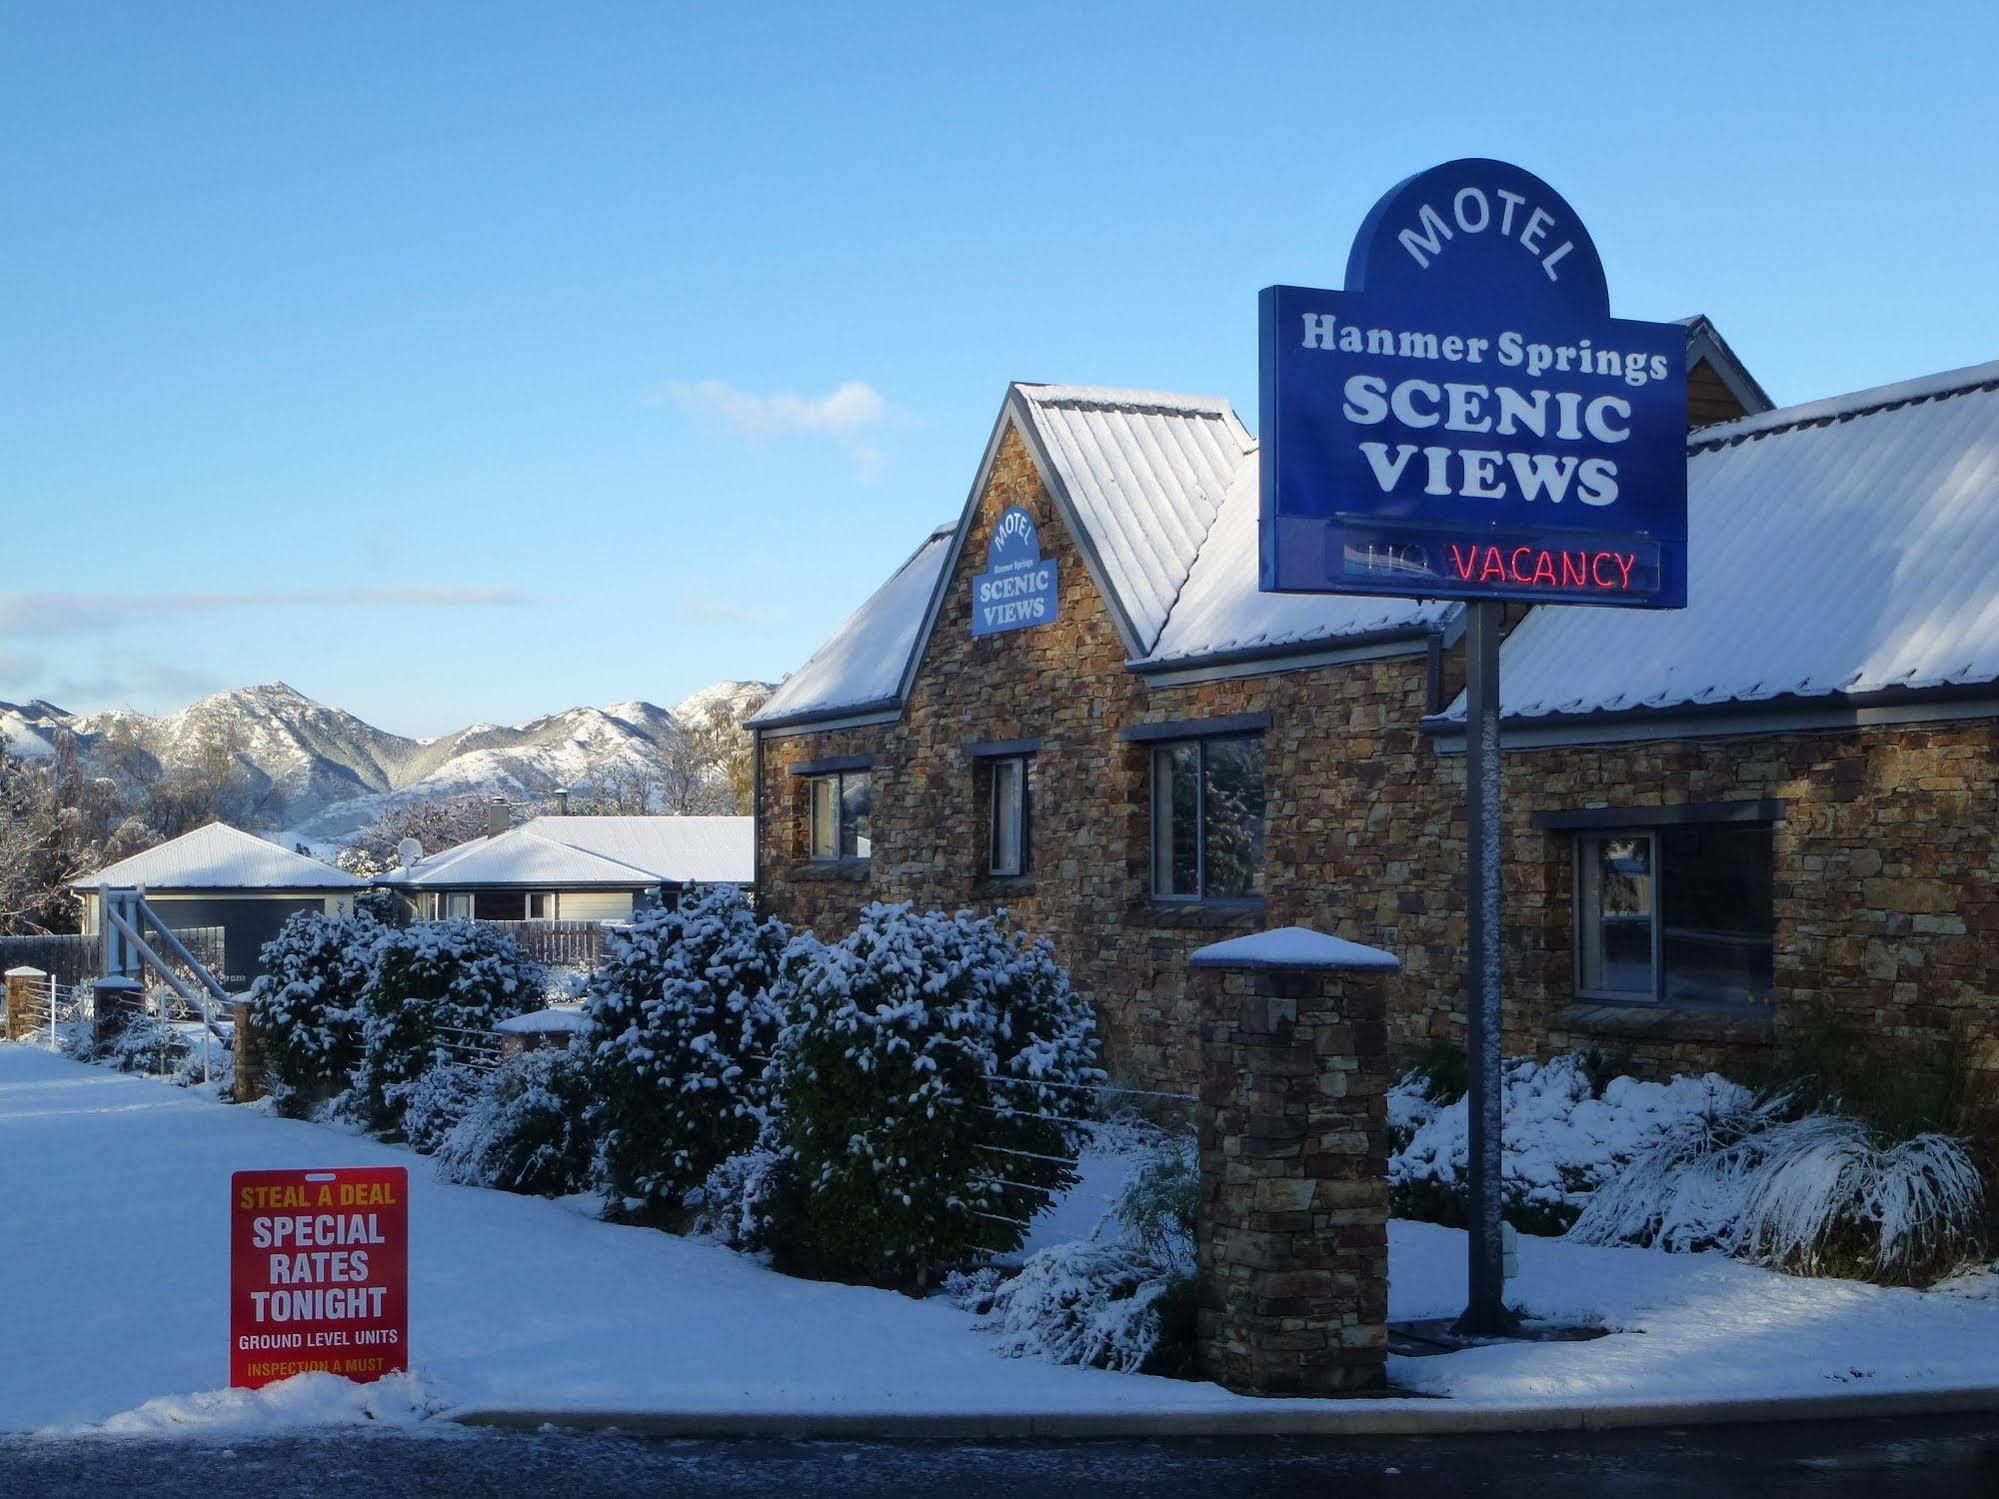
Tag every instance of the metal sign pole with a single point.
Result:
(1485, 1309)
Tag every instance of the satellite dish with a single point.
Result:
(408, 852)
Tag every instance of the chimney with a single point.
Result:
(562, 801)
(499, 816)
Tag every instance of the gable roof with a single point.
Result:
(1842, 547)
(862, 667)
(614, 852)
(219, 857)
(1159, 492)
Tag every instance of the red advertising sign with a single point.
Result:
(318, 1273)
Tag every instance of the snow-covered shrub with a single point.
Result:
(685, 1019)
(529, 1129)
(1121, 1299)
(739, 1200)
(306, 1005)
(432, 1102)
(434, 977)
(145, 1044)
(1816, 1195)
(1563, 1135)
(921, 1064)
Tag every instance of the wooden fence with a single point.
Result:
(560, 944)
(71, 958)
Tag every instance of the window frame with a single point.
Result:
(554, 900)
(1600, 829)
(1158, 747)
(1023, 767)
(836, 782)
(1587, 840)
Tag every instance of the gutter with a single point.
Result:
(1318, 645)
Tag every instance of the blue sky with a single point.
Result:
(458, 362)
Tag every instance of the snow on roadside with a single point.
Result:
(118, 1185)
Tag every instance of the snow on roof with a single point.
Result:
(1221, 609)
(599, 851)
(1845, 546)
(219, 857)
(862, 666)
(1291, 947)
(1144, 473)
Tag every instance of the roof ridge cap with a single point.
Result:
(1870, 400)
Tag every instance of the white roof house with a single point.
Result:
(219, 857)
(1160, 493)
(1842, 551)
(584, 853)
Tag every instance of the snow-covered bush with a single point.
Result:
(1563, 1135)
(1816, 1195)
(145, 1044)
(432, 1102)
(434, 977)
(921, 1064)
(306, 1005)
(1121, 1299)
(738, 1201)
(685, 1018)
(529, 1129)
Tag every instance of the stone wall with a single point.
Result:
(1887, 859)
(1293, 1216)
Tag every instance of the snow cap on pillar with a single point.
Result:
(1295, 948)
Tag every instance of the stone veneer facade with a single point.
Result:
(1887, 858)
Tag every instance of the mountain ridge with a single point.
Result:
(318, 772)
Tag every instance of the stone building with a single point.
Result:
(1723, 824)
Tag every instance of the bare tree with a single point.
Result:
(436, 825)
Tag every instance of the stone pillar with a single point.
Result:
(1293, 1221)
(252, 1075)
(26, 989)
(115, 1002)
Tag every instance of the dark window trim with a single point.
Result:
(1003, 749)
(1196, 728)
(832, 766)
(1026, 869)
(1200, 743)
(1595, 819)
(838, 779)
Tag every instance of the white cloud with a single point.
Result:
(706, 609)
(84, 613)
(843, 414)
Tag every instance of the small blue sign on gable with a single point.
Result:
(1466, 419)
(1017, 589)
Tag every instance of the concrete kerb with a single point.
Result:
(1275, 1418)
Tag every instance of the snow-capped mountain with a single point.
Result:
(320, 772)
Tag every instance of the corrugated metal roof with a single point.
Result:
(1221, 610)
(862, 665)
(617, 851)
(219, 857)
(1145, 473)
(1846, 546)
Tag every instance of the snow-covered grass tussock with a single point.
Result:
(1120, 1299)
(1817, 1195)
(1565, 1132)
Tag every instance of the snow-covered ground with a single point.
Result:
(113, 1192)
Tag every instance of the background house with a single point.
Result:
(562, 868)
(221, 876)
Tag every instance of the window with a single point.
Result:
(1207, 818)
(1010, 852)
(541, 905)
(1679, 915)
(838, 809)
(458, 905)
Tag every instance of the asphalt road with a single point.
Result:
(1940, 1459)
